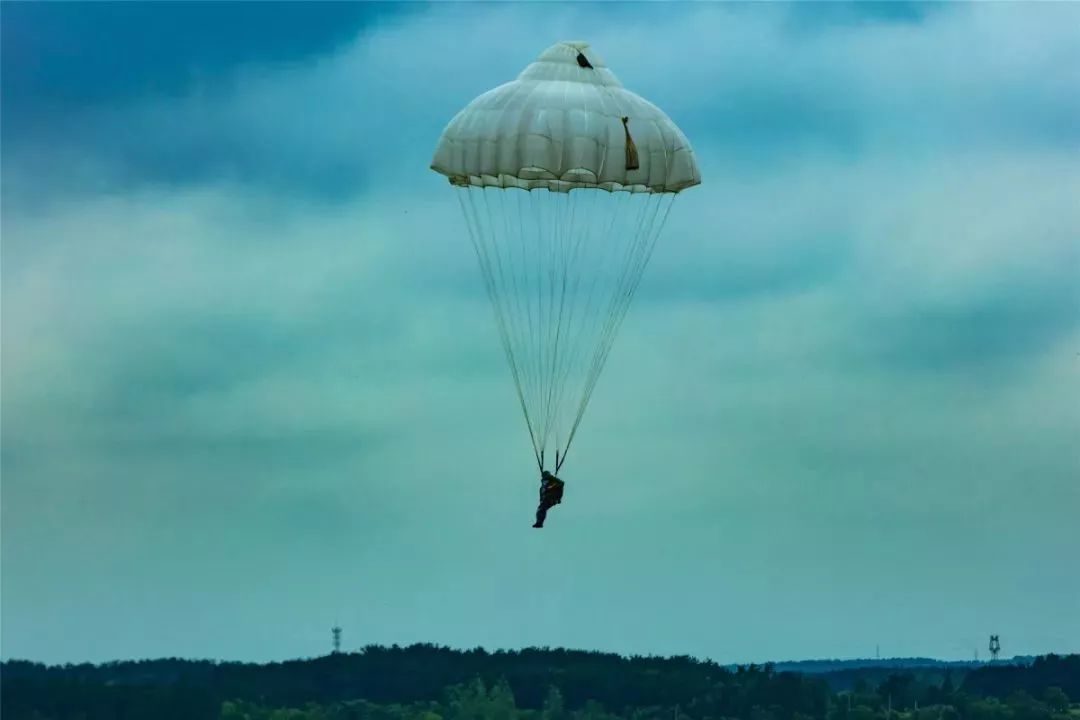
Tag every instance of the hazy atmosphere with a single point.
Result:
(252, 386)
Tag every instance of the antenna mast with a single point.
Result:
(995, 648)
(336, 631)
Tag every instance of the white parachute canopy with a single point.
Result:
(565, 180)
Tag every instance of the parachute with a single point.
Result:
(565, 181)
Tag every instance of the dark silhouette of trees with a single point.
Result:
(426, 682)
(1001, 680)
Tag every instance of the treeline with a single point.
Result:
(425, 682)
(894, 663)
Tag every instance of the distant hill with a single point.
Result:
(828, 666)
(843, 675)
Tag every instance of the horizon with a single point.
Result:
(978, 660)
(251, 378)
(863, 662)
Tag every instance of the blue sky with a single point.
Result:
(251, 385)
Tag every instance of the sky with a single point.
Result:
(252, 386)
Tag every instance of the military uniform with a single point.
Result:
(551, 492)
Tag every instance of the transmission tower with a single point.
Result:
(336, 631)
(995, 647)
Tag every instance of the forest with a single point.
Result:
(427, 682)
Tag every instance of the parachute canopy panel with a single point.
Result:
(566, 122)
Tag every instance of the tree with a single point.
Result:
(988, 709)
(468, 702)
(501, 705)
(554, 708)
(1056, 699)
(1025, 707)
(898, 690)
(947, 686)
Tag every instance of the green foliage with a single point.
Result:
(1056, 699)
(554, 708)
(988, 709)
(1001, 680)
(428, 683)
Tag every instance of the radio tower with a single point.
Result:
(336, 631)
(995, 647)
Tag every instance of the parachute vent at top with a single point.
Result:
(560, 126)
